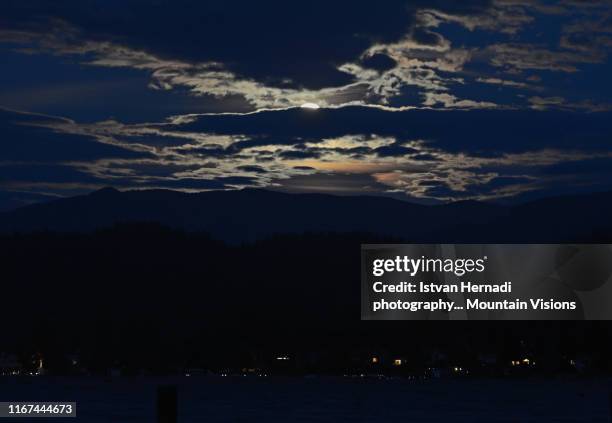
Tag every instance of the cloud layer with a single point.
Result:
(424, 155)
(426, 100)
(281, 54)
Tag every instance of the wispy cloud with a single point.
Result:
(178, 155)
(419, 61)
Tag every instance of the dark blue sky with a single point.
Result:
(424, 100)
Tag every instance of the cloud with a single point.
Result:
(422, 154)
(329, 55)
(430, 100)
(504, 82)
(519, 57)
(546, 103)
(503, 17)
(543, 103)
(451, 101)
(396, 56)
(26, 139)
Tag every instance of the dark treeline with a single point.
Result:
(149, 298)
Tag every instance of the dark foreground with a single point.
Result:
(245, 399)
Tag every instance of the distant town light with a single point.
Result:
(374, 360)
(397, 362)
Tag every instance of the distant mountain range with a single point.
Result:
(250, 214)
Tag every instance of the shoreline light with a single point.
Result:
(312, 106)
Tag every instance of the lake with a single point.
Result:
(325, 399)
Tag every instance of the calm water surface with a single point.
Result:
(237, 399)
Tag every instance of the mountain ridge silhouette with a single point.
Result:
(251, 214)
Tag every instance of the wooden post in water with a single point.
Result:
(167, 404)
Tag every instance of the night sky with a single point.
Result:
(428, 101)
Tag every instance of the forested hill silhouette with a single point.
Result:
(251, 214)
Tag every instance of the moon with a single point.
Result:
(312, 106)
